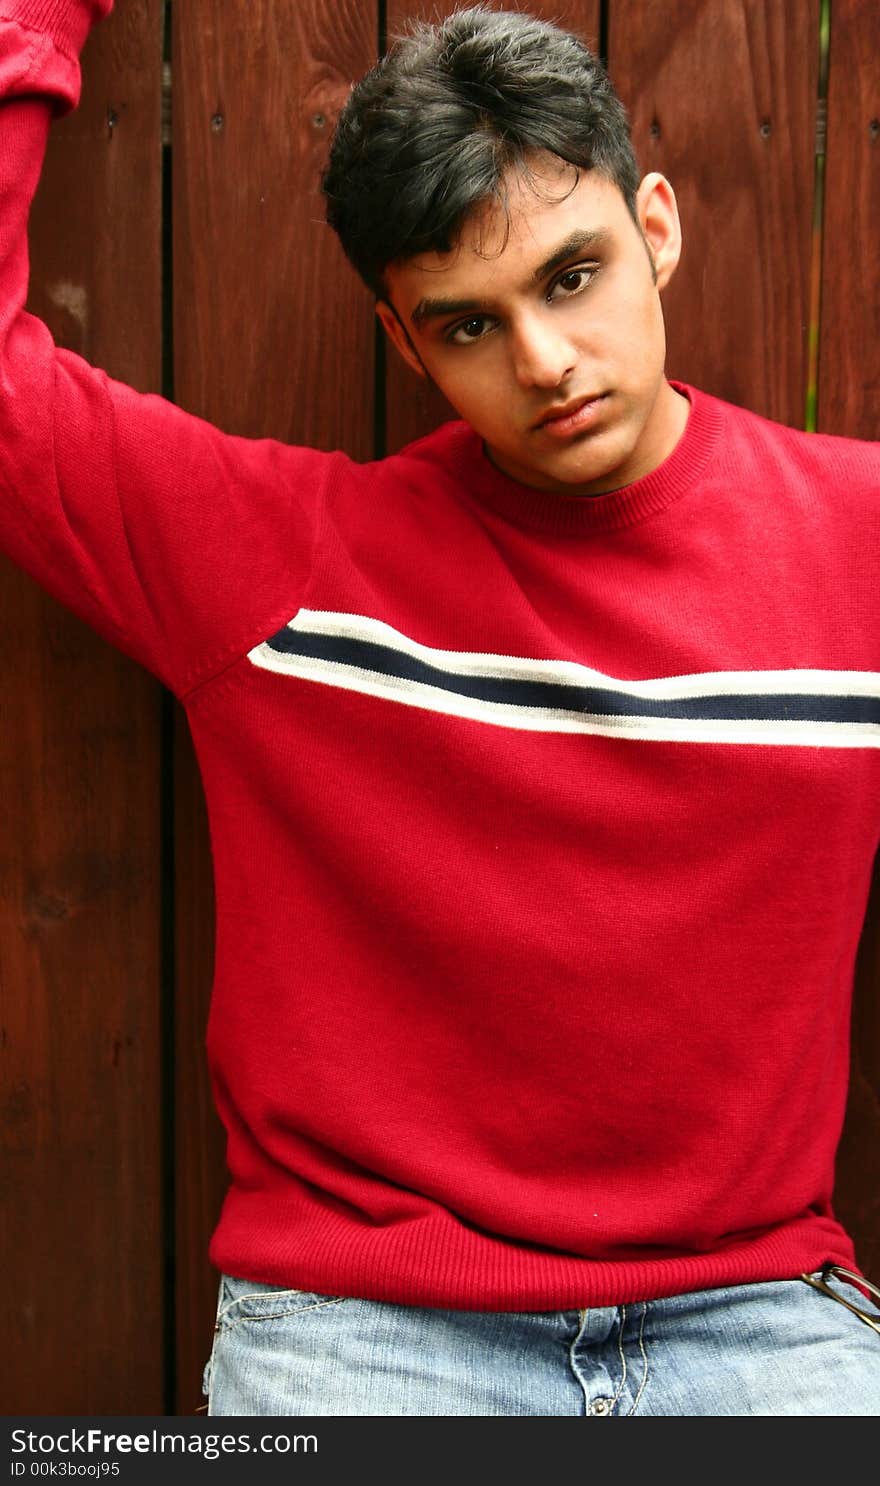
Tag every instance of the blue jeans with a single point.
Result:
(771, 1348)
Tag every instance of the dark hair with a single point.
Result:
(429, 132)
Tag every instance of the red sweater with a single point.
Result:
(542, 827)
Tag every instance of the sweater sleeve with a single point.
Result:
(181, 545)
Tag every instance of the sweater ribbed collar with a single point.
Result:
(543, 510)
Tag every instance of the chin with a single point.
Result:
(577, 473)
(592, 463)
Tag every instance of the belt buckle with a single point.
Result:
(848, 1276)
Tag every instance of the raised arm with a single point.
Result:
(180, 544)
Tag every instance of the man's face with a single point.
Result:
(537, 310)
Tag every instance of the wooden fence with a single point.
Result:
(190, 255)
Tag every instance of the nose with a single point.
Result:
(542, 356)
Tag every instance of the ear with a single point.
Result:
(398, 336)
(658, 215)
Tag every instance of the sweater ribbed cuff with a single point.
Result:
(66, 22)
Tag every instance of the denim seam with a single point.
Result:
(622, 1355)
(583, 1315)
(644, 1359)
(296, 1310)
(208, 1369)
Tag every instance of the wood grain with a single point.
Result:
(273, 336)
(81, 1244)
(722, 100)
(849, 344)
(200, 1145)
(273, 331)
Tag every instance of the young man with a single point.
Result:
(542, 764)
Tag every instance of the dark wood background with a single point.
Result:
(192, 257)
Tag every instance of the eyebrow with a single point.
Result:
(575, 244)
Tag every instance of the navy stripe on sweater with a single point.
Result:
(357, 653)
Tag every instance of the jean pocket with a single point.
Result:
(249, 1300)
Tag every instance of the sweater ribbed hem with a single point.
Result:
(441, 1264)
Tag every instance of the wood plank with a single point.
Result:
(81, 1309)
(273, 336)
(849, 404)
(414, 406)
(849, 343)
(273, 331)
(722, 100)
(200, 1177)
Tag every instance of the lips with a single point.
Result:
(569, 416)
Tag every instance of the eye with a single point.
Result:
(573, 281)
(468, 331)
